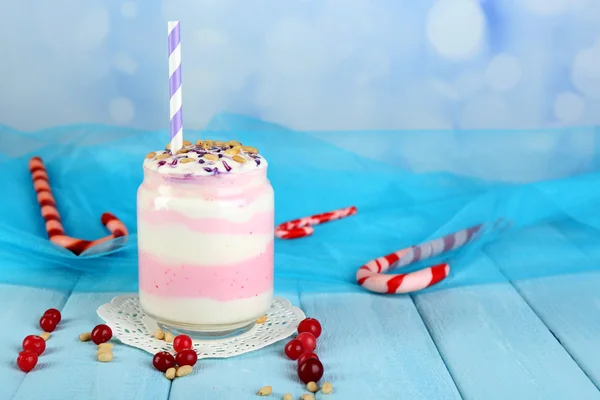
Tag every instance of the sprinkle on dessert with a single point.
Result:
(232, 154)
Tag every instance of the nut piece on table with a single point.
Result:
(107, 345)
(307, 396)
(312, 387)
(45, 336)
(170, 374)
(265, 391)
(262, 320)
(159, 334)
(85, 337)
(288, 396)
(183, 370)
(327, 388)
(105, 356)
(169, 337)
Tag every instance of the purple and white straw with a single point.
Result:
(175, 86)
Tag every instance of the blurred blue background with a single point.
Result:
(306, 64)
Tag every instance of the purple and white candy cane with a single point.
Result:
(372, 275)
(175, 86)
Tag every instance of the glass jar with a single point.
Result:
(205, 238)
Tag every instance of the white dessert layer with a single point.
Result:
(201, 311)
(239, 209)
(173, 244)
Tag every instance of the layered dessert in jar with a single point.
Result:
(205, 237)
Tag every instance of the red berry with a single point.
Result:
(34, 343)
(311, 370)
(294, 349)
(186, 357)
(54, 313)
(48, 323)
(308, 340)
(310, 325)
(306, 356)
(101, 334)
(182, 342)
(163, 360)
(27, 360)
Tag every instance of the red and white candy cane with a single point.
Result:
(372, 275)
(303, 227)
(54, 227)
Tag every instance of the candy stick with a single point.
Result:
(175, 86)
(371, 275)
(303, 227)
(54, 227)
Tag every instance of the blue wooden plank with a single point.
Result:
(496, 347)
(240, 377)
(569, 304)
(69, 368)
(19, 315)
(377, 347)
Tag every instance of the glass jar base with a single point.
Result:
(206, 332)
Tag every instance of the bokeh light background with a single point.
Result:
(307, 64)
(313, 64)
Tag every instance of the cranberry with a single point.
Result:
(306, 356)
(311, 370)
(186, 357)
(163, 360)
(34, 343)
(101, 334)
(294, 349)
(54, 313)
(48, 323)
(27, 360)
(310, 325)
(182, 342)
(308, 340)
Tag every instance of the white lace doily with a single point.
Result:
(132, 327)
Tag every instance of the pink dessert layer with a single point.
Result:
(258, 224)
(224, 282)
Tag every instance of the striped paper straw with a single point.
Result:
(175, 86)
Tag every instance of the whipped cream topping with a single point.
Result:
(206, 158)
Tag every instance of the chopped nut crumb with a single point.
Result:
(85, 337)
(327, 388)
(184, 370)
(265, 391)
(312, 387)
(170, 374)
(159, 334)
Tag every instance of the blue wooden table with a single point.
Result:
(537, 339)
